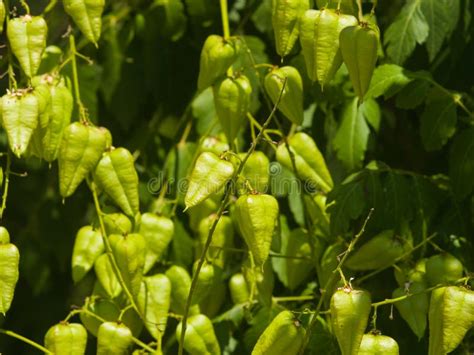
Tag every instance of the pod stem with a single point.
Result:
(25, 340)
(6, 185)
(361, 14)
(75, 79)
(332, 278)
(219, 214)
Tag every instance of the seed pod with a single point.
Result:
(261, 279)
(256, 173)
(109, 311)
(211, 305)
(443, 268)
(54, 121)
(376, 344)
(209, 175)
(232, 101)
(205, 280)
(309, 161)
(117, 223)
(9, 261)
(292, 272)
(284, 335)
(20, 110)
(413, 309)
(256, 216)
(222, 238)
(200, 338)
(239, 291)
(451, 315)
(180, 285)
(379, 252)
(106, 276)
(320, 42)
(80, 151)
(291, 102)
(350, 311)
(88, 246)
(87, 16)
(115, 174)
(66, 339)
(158, 232)
(2, 16)
(27, 36)
(217, 55)
(113, 339)
(154, 302)
(129, 252)
(285, 20)
(359, 46)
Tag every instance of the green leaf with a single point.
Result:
(408, 29)
(461, 163)
(438, 121)
(205, 112)
(388, 79)
(346, 202)
(351, 137)
(442, 17)
(371, 111)
(112, 58)
(397, 200)
(182, 245)
(413, 95)
(168, 16)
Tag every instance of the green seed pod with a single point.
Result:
(451, 315)
(239, 291)
(115, 174)
(4, 235)
(9, 261)
(129, 252)
(217, 55)
(200, 338)
(285, 20)
(2, 15)
(379, 252)
(87, 16)
(292, 272)
(442, 269)
(154, 303)
(109, 311)
(158, 232)
(376, 344)
(203, 210)
(359, 46)
(88, 246)
(113, 339)
(222, 238)
(413, 309)
(117, 223)
(320, 42)
(180, 285)
(256, 173)
(209, 175)
(291, 102)
(211, 306)
(309, 161)
(214, 144)
(260, 279)
(80, 151)
(60, 111)
(284, 335)
(232, 101)
(205, 280)
(416, 274)
(66, 339)
(27, 36)
(106, 276)
(20, 112)
(350, 311)
(257, 216)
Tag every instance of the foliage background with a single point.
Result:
(140, 86)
